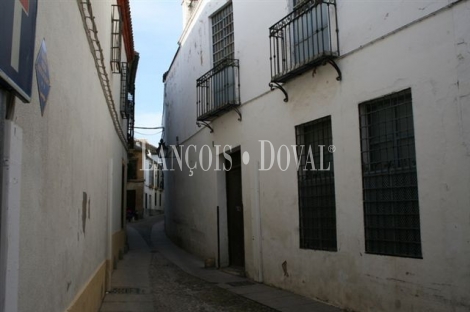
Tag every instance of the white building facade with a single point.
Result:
(153, 179)
(65, 152)
(386, 227)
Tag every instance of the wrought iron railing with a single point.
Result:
(218, 90)
(130, 123)
(124, 93)
(303, 39)
(127, 102)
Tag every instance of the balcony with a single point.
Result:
(304, 39)
(218, 91)
(124, 92)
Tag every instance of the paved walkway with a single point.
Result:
(131, 281)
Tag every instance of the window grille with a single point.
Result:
(390, 184)
(222, 35)
(305, 38)
(116, 39)
(124, 92)
(130, 119)
(317, 207)
(218, 90)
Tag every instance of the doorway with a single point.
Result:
(236, 237)
(131, 200)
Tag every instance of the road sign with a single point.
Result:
(17, 36)
(42, 76)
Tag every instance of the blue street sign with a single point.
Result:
(42, 76)
(17, 36)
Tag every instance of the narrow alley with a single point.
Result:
(156, 275)
(234, 155)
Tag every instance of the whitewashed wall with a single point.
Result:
(428, 55)
(72, 150)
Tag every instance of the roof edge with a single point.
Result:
(127, 29)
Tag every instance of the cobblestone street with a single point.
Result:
(176, 290)
(156, 275)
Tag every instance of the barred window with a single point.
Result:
(116, 41)
(124, 91)
(317, 207)
(390, 184)
(311, 34)
(222, 34)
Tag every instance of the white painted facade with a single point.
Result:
(158, 185)
(68, 165)
(153, 176)
(384, 47)
(153, 186)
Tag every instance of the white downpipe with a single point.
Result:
(258, 224)
(109, 220)
(11, 213)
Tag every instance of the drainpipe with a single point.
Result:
(10, 212)
(218, 238)
(259, 229)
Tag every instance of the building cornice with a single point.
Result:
(127, 29)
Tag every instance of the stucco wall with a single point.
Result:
(71, 168)
(431, 57)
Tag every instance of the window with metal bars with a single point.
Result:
(311, 36)
(317, 205)
(124, 92)
(305, 38)
(218, 90)
(222, 35)
(116, 40)
(390, 184)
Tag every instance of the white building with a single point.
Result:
(157, 203)
(65, 150)
(153, 178)
(387, 227)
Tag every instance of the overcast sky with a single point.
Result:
(157, 25)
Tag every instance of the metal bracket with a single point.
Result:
(275, 85)
(205, 124)
(333, 63)
(238, 112)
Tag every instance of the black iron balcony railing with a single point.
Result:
(130, 122)
(218, 90)
(305, 38)
(124, 92)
